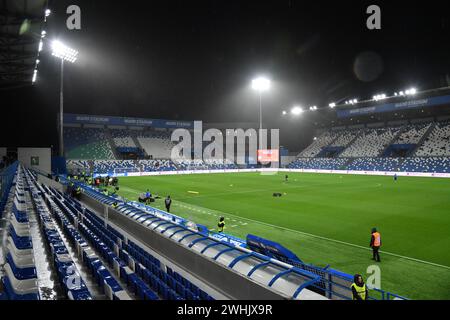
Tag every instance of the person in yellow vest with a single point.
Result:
(359, 288)
(375, 244)
(221, 224)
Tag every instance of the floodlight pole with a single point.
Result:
(61, 112)
(260, 109)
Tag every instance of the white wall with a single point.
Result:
(43, 155)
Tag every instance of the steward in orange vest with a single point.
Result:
(375, 244)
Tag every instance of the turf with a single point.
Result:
(412, 214)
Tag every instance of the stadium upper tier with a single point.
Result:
(382, 148)
(421, 139)
(87, 143)
(416, 164)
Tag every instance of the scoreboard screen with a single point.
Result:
(268, 155)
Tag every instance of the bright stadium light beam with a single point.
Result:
(297, 110)
(34, 76)
(65, 53)
(260, 84)
(332, 105)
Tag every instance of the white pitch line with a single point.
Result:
(338, 241)
(346, 243)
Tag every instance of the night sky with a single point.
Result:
(194, 60)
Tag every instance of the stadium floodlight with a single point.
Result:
(411, 91)
(34, 76)
(260, 84)
(297, 110)
(47, 12)
(43, 33)
(379, 97)
(313, 108)
(332, 105)
(284, 112)
(63, 52)
(41, 46)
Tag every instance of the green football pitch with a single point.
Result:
(326, 219)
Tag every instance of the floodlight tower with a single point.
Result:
(63, 52)
(260, 84)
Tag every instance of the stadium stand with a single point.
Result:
(412, 134)
(156, 165)
(19, 280)
(366, 149)
(438, 142)
(123, 138)
(87, 144)
(346, 138)
(156, 144)
(319, 163)
(371, 143)
(429, 164)
(323, 140)
(375, 164)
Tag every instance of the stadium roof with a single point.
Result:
(21, 26)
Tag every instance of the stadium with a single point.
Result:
(151, 205)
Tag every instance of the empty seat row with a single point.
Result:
(143, 263)
(104, 241)
(20, 279)
(68, 274)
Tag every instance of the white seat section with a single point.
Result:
(23, 261)
(437, 143)
(345, 138)
(156, 145)
(371, 143)
(12, 248)
(322, 141)
(123, 138)
(412, 134)
(21, 287)
(20, 227)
